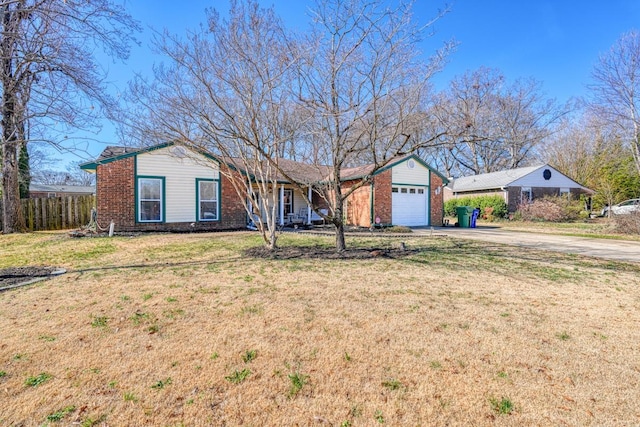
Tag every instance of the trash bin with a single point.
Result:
(464, 216)
(474, 217)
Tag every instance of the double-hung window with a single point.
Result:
(207, 200)
(150, 199)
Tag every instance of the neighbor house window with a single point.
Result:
(150, 199)
(207, 200)
(565, 192)
(526, 196)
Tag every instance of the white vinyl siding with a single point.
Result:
(180, 173)
(402, 174)
(536, 179)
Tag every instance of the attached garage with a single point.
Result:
(410, 205)
(406, 192)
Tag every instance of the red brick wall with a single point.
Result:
(232, 212)
(437, 200)
(115, 193)
(115, 200)
(359, 202)
(382, 197)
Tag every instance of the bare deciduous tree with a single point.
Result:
(225, 90)
(347, 93)
(493, 125)
(591, 152)
(616, 89)
(363, 86)
(49, 79)
(73, 176)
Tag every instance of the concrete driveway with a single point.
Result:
(618, 250)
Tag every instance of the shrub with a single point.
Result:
(627, 224)
(491, 207)
(552, 209)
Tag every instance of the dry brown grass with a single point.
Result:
(426, 339)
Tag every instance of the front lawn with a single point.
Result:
(202, 329)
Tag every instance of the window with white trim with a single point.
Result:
(150, 199)
(207, 200)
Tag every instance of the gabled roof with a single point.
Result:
(503, 179)
(488, 181)
(113, 153)
(362, 171)
(299, 171)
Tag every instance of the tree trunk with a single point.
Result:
(13, 220)
(341, 245)
(24, 172)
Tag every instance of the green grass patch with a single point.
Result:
(297, 381)
(249, 355)
(100, 322)
(161, 384)
(36, 380)
(503, 406)
(392, 384)
(60, 414)
(238, 376)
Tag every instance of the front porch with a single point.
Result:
(292, 209)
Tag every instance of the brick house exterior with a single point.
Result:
(116, 199)
(373, 203)
(122, 173)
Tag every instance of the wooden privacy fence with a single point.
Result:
(56, 213)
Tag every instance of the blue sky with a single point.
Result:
(557, 42)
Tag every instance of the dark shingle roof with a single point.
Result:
(114, 150)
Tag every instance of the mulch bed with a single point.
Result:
(322, 252)
(16, 276)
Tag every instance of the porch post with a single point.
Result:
(309, 195)
(281, 204)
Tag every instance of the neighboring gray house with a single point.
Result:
(46, 190)
(521, 185)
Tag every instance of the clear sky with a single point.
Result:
(557, 42)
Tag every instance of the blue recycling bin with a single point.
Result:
(474, 217)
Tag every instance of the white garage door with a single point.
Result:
(408, 205)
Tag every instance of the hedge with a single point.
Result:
(495, 202)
